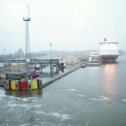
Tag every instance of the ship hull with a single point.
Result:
(108, 58)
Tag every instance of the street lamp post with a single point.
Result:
(5, 53)
(50, 50)
(51, 68)
(5, 57)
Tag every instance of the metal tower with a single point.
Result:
(26, 19)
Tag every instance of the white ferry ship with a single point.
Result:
(108, 51)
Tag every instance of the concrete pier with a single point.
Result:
(70, 69)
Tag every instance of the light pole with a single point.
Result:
(50, 50)
(27, 19)
(5, 53)
(4, 64)
(51, 68)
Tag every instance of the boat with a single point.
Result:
(108, 51)
(22, 81)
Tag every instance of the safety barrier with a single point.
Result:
(23, 84)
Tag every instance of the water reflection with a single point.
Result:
(110, 81)
(30, 93)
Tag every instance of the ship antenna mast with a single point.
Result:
(26, 19)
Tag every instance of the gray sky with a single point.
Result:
(71, 25)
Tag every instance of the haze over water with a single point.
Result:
(91, 96)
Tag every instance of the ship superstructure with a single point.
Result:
(108, 50)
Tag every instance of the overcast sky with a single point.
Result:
(71, 25)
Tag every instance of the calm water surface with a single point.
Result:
(91, 96)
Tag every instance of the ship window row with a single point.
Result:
(109, 52)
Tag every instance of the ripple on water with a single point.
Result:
(2, 94)
(81, 95)
(72, 89)
(101, 98)
(107, 101)
(10, 104)
(124, 100)
(25, 99)
(61, 116)
(67, 90)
